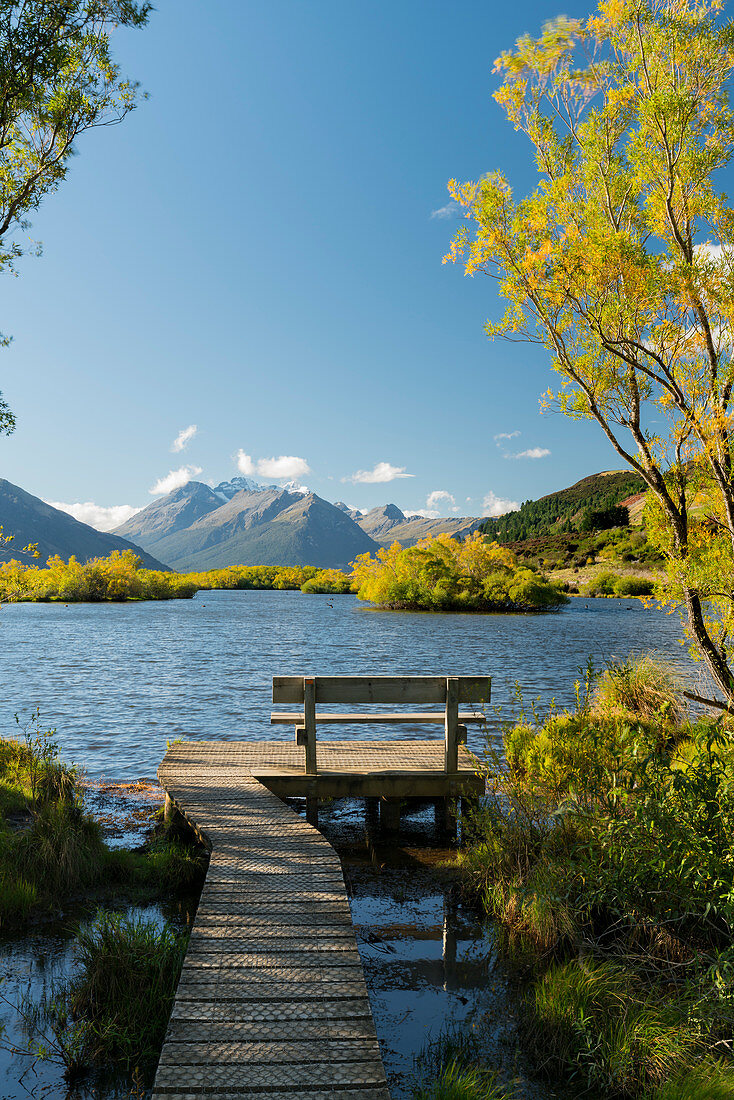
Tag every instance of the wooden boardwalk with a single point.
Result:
(272, 999)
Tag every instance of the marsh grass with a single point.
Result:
(62, 851)
(166, 863)
(112, 1015)
(461, 1082)
(121, 999)
(598, 1020)
(446, 1069)
(55, 849)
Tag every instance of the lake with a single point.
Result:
(119, 680)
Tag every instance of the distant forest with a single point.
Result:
(590, 505)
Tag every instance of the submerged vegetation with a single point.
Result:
(605, 853)
(443, 574)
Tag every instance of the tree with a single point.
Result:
(57, 79)
(621, 264)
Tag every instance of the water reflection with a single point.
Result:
(428, 955)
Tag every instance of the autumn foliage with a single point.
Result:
(117, 577)
(621, 263)
(443, 574)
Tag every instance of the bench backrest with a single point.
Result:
(381, 689)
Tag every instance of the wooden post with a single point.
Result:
(312, 810)
(390, 814)
(168, 810)
(309, 723)
(451, 754)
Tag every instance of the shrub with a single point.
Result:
(608, 830)
(331, 581)
(444, 574)
(615, 584)
(117, 577)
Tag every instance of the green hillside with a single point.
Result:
(592, 504)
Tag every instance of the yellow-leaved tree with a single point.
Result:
(621, 264)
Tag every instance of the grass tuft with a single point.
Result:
(461, 1082)
(642, 686)
(62, 851)
(121, 999)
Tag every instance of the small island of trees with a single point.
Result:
(443, 574)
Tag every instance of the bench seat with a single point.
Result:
(294, 718)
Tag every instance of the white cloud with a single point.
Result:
(439, 496)
(498, 506)
(532, 452)
(245, 465)
(282, 468)
(505, 435)
(174, 479)
(447, 211)
(382, 472)
(424, 513)
(97, 515)
(184, 437)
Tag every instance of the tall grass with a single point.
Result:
(59, 849)
(461, 1082)
(62, 851)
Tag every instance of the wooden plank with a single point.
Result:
(295, 718)
(382, 689)
(309, 723)
(451, 725)
(249, 1019)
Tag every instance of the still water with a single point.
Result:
(119, 680)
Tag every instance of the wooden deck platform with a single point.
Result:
(272, 999)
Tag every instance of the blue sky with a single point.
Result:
(256, 251)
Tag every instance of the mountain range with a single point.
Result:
(196, 527)
(239, 522)
(31, 520)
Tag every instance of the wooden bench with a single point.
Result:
(449, 692)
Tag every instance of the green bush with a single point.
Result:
(605, 851)
(615, 584)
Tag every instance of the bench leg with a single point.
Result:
(390, 814)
